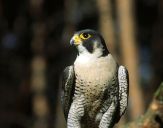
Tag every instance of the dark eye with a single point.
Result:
(85, 36)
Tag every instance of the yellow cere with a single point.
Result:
(77, 39)
(84, 36)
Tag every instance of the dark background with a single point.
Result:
(42, 28)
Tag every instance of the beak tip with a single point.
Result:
(71, 42)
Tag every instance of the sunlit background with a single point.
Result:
(34, 49)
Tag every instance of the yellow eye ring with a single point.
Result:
(84, 36)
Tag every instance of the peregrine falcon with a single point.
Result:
(95, 87)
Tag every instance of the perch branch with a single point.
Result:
(153, 118)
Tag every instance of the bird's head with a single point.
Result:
(90, 42)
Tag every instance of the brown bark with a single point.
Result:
(153, 118)
(106, 25)
(38, 81)
(130, 54)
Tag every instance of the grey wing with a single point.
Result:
(123, 79)
(68, 85)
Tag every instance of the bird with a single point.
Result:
(95, 87)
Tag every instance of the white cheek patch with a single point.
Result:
(96, 45)
(82, 49)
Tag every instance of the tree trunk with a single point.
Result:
(153, 118)
(38, 81)
(130, 54)
(106, 25)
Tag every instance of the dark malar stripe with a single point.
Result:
(88, 46)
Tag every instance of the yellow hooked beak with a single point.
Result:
(76, 40)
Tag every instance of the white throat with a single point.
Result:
(86, 57)
(83, 58)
